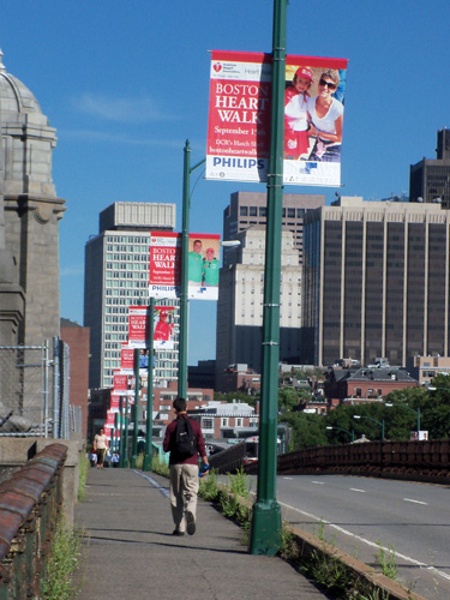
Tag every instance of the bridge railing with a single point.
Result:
(29, 506)
(414, 461)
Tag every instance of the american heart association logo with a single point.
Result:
(217, 67)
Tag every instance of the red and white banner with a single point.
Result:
(126, 359)
(138, 331)
(165, 265)
(203, 265)
(138, 326)
(238, 141)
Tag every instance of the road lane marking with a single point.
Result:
(413, 561)
(415, 501)
(318, 482)
(357, 490)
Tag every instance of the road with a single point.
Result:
(364, 515)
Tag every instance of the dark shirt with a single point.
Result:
(170, 435)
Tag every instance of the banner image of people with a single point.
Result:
(203, 265)
(239, 118)
(163, 327)
(138, 331)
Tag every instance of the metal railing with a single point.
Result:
(34, 392)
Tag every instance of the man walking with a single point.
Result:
(184, 440)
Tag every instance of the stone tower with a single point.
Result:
(29, 215)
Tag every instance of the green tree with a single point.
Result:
(307, 430)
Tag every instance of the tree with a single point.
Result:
(307, 430)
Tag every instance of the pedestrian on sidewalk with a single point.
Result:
(184, 440)
(100, 447)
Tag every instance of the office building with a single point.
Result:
(429, 179)
(240, 304)
(116, 277)
(376, 281)
(247, 209)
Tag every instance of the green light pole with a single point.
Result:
(126, 460)
(350, 433)
(148, 458)
(183, 344)
(381, 423)
(265, 537)
(136, 409)
(122, 434)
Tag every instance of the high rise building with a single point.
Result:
(376, 281)
(116, 277)
(247, 209)
(240, 305)
(429, 179)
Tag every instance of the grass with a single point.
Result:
(63, 561)
(85, 465)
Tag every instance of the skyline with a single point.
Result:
(126, 85)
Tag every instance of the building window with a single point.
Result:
(207, 423)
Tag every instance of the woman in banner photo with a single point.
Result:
(326, 115)
(295, 114)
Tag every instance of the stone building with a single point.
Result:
(29, 255)
(29, 216)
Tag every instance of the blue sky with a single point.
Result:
(126, 83)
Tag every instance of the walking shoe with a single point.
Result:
(190, 522)
(177, 532)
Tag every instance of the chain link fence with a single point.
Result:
(34, 391)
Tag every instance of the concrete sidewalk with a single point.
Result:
(131, 553)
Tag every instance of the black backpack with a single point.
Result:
(185, 442)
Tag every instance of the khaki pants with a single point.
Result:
(183, 493)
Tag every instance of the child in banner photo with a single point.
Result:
(296, 115)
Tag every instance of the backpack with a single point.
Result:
(185, 443)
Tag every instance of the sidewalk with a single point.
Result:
(131, 553)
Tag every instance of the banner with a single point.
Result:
(126, 359)
(203, 265)
(238, 142)
(138, 331)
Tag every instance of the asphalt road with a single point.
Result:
(369, 517)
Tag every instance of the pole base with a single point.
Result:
(265, 533)
(147, 466)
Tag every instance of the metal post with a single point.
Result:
(126, 460)
(265, 535)
(182, 360)
(122, 434)
(45, 388)
(136, 409)
(183, 344)
(56, 388)
(148, 458)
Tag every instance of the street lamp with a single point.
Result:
(183, 343)
(381, 423)
(350, 433)
(265, 535)
(416, 412)
(148, 457)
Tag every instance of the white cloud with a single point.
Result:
(120, 110)
(90, 135)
